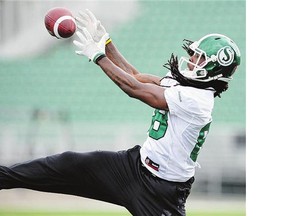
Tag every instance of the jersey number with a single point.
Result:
(201, 139)
(159, 124)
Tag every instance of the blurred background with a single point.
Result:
(52, 100)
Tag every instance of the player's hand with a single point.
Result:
(87, 20)
(88, 47)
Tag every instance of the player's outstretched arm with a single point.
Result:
(150, 94)
(118, 59)
(86, 19)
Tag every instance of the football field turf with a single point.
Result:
(30, 203)
(27, 213)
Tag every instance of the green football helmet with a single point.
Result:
(221, 54)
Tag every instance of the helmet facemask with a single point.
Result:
(195, 69)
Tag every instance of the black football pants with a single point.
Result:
(114, 177)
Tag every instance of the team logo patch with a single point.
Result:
(225, 56)
(152, 164)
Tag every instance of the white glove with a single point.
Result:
(88, 47)
(88, 20)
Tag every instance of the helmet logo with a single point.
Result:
(225, 56)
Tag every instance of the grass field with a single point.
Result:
(30, 203)
(26, 213)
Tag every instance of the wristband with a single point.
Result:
(108, 41)
(98, 57)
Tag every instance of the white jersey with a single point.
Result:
(176, 136)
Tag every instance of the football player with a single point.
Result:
(155, 178)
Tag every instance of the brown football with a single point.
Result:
(60, 22)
